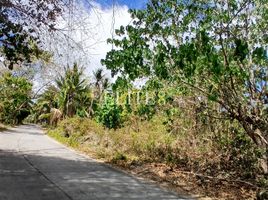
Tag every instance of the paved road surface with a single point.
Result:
(35, 167)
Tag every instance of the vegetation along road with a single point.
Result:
(33, 166)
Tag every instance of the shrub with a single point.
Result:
(109, 114)
(146, 112)
(240, 152)
(119, 157)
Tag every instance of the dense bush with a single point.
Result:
(15, 99)
(239, 152)
(109, 113)
(146, 112)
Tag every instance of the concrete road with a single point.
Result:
(35, 167)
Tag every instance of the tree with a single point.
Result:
(44, 104)
(72, 88)
(15, 99)
(100, 82)
(217, 49)
(20, 23)
(109, 113)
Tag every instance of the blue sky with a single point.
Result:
(138, 4)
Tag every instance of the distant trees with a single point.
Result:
(72, 94)
(15, 99)
(73, 90)
(100, 82)
(44, 104)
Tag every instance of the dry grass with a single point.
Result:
(2, 127)
(191, 161)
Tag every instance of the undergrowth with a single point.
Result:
(2, 127)
(229, 155)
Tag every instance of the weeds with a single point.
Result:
(226, 155)
(2, 127)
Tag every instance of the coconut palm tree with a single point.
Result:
(71, 86)
(45, 102)
(99, 85)
(100, 82)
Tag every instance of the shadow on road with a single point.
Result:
(43, 175)
(27, 129)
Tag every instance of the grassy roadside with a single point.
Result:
(153, 154)
(3, 127)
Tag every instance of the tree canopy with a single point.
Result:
(73, 91)
(216, 49)
(20, 23)
(15, 98)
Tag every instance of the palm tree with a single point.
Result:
(99, 85)
(101, 82)
(98, 78)
(45, 102)
(72, 86)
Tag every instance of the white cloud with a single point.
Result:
(83, 35)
